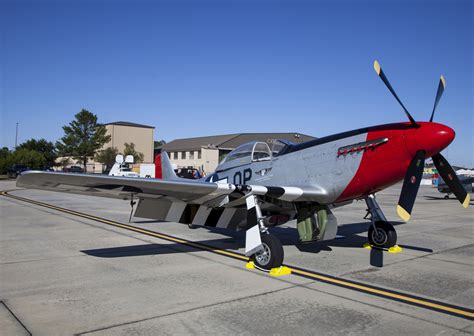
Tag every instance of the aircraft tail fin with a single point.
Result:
(166, 168)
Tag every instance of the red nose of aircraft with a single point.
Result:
(430, 137)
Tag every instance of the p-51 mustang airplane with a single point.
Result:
(255, 187)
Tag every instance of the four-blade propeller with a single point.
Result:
(413, 176)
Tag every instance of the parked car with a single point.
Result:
(74, 169)
(16, 170)
(189, 173)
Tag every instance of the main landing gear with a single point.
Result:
(381, 234)
(264, 249)
(271, 255)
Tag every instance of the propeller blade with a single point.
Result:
(439, 93)
(384, 79)
(411, 184)
(451, 179)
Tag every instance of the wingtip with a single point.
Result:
(443, 81)
(403, 213)
(466, 201)
(377, 67)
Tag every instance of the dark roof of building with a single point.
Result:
(231, 141)
(126, 123)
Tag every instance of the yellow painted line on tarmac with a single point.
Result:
(385, 293)
(381, 292)
(131, 228)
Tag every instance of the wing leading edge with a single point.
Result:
(121, 187)
(189, 191)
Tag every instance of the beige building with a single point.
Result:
(205, 153)
(121, 132)
(141, 135)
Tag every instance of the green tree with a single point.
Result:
(4, 151)
(46, 148)
(130, 150)
(4, 154)
(83, 137)
(107, 157)
(27, 157)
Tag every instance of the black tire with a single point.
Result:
(272, 254)
(446, 196)
(384, 236)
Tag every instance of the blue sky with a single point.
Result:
(195, 68)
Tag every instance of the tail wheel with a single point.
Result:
(384, 235)
(271, 255)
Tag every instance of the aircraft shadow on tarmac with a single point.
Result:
(235, 240)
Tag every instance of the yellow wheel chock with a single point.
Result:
(278, 271)
(394, 249)
(250, 265)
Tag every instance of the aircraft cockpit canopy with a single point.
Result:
(278, 146)
(254, 151)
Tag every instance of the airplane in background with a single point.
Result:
(260, 185)
(466, 181)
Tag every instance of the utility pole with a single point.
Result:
(16, 136)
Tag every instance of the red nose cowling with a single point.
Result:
(430, 137)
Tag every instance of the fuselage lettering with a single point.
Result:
(238, 178)
(247, 175)
(243, 177)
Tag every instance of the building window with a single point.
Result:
(199, 155)
(175, 155)
(191, 155)
(183, 155)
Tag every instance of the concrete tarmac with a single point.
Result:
(64, 275)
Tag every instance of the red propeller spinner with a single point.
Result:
(429, 137)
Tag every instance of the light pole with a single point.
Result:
(16, 135)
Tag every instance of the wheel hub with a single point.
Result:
(379, 237)
(263, 256)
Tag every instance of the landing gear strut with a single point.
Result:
(270, 254)
(381, 233)
(132, 203)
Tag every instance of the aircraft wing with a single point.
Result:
(186, 190)
(123, 187)
(176, 200)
